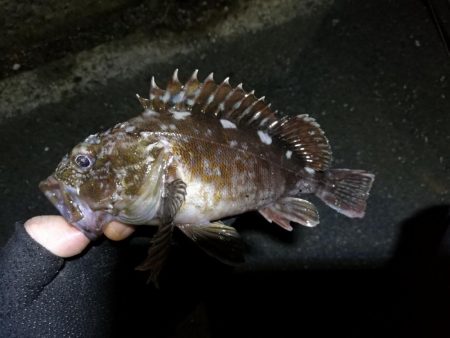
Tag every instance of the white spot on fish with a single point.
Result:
(211, 171)
(145, 134)
(210, 99)
(92, 139)
(172, 127)
(233, 143)
(288, 154)
(208, 132)
(227, 124)
(164, 144)
(165, 98)
(180, 115)
(129, 129)
(163, 126)
(264, 137)
(150, 148)
(178, 98)
(150, 113)
(309, 170)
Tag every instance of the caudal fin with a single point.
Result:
(346, 191)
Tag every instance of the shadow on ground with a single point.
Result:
(200, 298)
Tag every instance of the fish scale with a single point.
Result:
(258, 165)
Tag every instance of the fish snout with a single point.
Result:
(76, 211)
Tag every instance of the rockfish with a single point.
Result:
(200, 152)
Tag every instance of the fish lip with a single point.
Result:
(91, 222)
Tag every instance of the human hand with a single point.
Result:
(44, 294)
(63, 239)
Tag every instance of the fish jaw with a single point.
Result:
(76, 211)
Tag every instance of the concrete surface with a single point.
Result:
(375, 76)
(36, 33)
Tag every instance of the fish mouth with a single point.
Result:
(76, 211)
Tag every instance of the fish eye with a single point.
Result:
(84, 161)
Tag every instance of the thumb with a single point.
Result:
(56, 235)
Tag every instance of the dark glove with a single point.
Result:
(43, 295)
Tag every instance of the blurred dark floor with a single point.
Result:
(376, 76)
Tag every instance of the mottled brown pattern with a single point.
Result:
(198, 153)
(210, 135)
(250, 171)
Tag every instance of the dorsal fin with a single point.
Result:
(301, 134)
(306, 139)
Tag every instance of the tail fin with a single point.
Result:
(346, 191)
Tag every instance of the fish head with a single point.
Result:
(100, 179)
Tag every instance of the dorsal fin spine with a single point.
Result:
(301, 134)
(261, 115)
(254, 117)
(217, 97)
(248, 110)
(247, 99)
(221, 105)
(272, 125)
(237, 104)
(175, 76)
(145, 103)
(153, 88)
(210, 99)
(165, 97)
(263, 122)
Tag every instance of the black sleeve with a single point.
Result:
(42, 295)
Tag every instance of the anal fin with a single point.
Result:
(291, 209)
(216, 239)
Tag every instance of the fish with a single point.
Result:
(200, 152)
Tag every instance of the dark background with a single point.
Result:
(375, 74)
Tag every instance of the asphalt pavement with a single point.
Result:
(374, 74)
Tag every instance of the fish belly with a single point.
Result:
(235, 183)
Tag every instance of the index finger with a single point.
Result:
(117, 231)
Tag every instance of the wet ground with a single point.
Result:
(376, 77)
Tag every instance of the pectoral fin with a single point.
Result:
(173, 198)
(157, 253)
(218, 240)
(291, 209)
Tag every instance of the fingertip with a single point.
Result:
(56, 235)
(117, 231)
